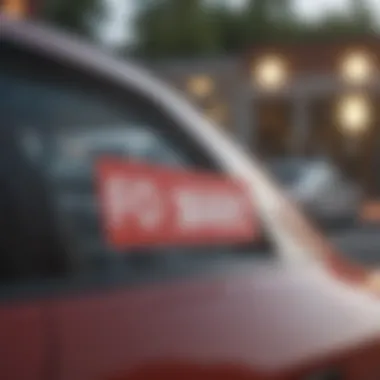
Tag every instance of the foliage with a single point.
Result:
(193, 27)
(173, 27)
(196, 27)
(79, 16)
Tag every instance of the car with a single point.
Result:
(321, 190)
(125, 260)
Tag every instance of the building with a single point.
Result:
(211, 84)
(320, 98)
(299, 99)
(282, 100)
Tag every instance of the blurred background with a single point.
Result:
(296, 81)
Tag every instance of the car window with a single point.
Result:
(126, 141)
(79, 133)
(59, 122)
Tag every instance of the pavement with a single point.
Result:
(360, 243)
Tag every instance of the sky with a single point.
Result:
(117, 28)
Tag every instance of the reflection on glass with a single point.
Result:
(77, 149)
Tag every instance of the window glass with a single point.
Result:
(60, 122)
(76, 149)
(62, 126)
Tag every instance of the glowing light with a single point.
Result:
(270, 73)
(14, 8)
(354, 114)
(357, 67)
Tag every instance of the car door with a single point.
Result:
(26, 349)
(25, 344)
(23, 340)
(105, 312)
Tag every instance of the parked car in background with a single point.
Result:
(132, 254)
(320, 189)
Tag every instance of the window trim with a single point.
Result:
(118, 91)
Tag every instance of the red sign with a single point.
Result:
(144, 204)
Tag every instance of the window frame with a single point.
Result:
(194, 150)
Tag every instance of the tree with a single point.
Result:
(79, 16)
(229, 28)
(195, 27)
(268, 20)
(358, 21)
(188, 27)
(362, 18)
(173, 27)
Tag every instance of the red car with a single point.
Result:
(132, 229)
